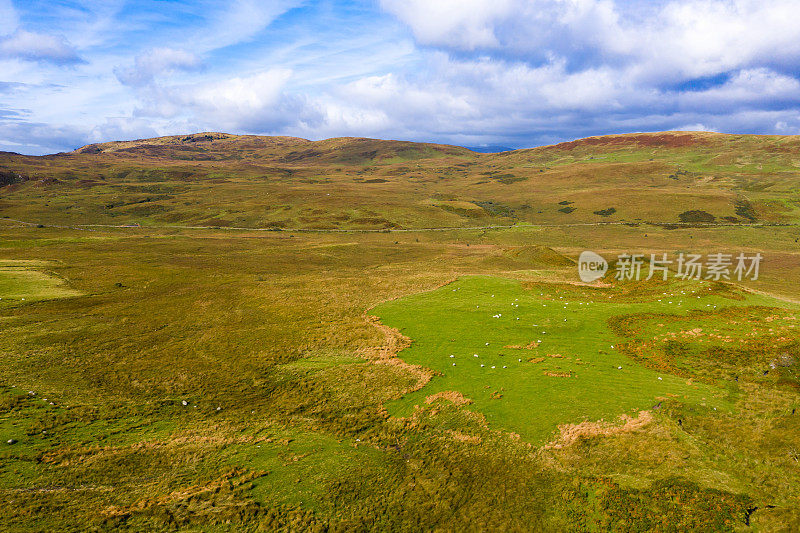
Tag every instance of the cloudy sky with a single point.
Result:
(508, 73)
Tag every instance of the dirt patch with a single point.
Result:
(531, 346)
(571, 433)
(452, 396)
(557, 374)
(386, 354)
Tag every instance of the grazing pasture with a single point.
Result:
(535, 356)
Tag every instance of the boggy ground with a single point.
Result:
(160, 378)
(289, 423)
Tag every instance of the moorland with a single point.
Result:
(215, 332)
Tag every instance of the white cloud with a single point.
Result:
(339, 120)
(116, 128)
(241, 95)
(682, 37)
(154, 62)
(754, 86)
(9, 21)
(399, 97)
(38, 47)
(693, 127)
(510, 72)
(467, 24)
(693, 39)
(255, 103)
(238, 21)
(782, 127)
(521, 26)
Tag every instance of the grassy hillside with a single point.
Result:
(282, 182)
(155, 376)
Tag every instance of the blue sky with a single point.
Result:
(470, 72)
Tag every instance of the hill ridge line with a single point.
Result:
(404, 230)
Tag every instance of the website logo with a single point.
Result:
(591, 266)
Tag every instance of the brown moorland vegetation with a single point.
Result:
(168, 371)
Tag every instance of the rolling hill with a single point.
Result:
(350, 183)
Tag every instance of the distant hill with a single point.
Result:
(353, 183)
(220, 146)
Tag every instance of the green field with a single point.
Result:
(473, 333)
(23, 281)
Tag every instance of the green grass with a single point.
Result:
(460, 320)
(299, 465)
(22, 282)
